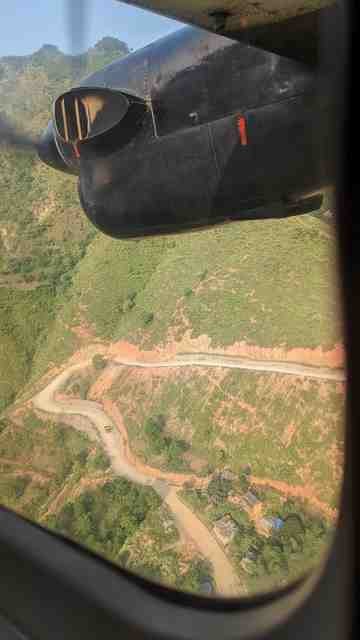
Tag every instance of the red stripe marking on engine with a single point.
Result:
(241, 122)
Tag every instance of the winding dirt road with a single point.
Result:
(189, 525)
(227, 582)
(234, 362)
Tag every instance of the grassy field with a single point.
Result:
(50, 457)
(25, 317)
(247, 282)
(286, 428)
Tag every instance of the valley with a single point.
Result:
(175, 404)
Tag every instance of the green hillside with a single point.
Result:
(43, 232)
(24, 317)
(64, 288)
(220, 280)
(221, 286)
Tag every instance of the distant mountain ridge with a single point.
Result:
(29, 84)
(107, 47)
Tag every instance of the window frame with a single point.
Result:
(51, 587)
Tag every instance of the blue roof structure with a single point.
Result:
(276, 523)
(273, 523)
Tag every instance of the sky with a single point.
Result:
(25, 25)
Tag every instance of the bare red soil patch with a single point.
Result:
(333, 358)
(296, 491)
(104, 382)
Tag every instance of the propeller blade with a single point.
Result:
(10, 135)
(76, 13)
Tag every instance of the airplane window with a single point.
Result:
(175, 403)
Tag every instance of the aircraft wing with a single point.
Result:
(285, 27)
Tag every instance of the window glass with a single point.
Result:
(173, 403)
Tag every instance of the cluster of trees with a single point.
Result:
(199, 572)
(19, 486)
(51, 265)
(160, 444)
(49, 261)
(12, 489)
(32, 422)
(99, 362)
(73, 463)
(104, 519)
(101, 461)
(148, 318)
(165, 568)
(293, 548)
(219, 488)
(80, 388)
(129, 302)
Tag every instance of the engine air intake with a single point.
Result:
(85, 113)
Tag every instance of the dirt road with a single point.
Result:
(232, 362)
(227, 582)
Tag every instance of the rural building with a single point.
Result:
(207, 587)
(247, 564)
(227, 474)
(268, 524)
(246, 469)
(225, 529)
(237, 500)
(250, 499)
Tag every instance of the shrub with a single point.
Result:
(244, 482)
(123, 557)
(60, 435)
(82, 457)
(99, 362)
(188, 292)
(198, 573)
(101, 461)
(175, 450)
(31, 421)
(81, 388)
(207, 470)
(148, 317)
(154, 432)
(219, 489)
(128, 304)
(19, 486)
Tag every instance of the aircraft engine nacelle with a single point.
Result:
(89, 115)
